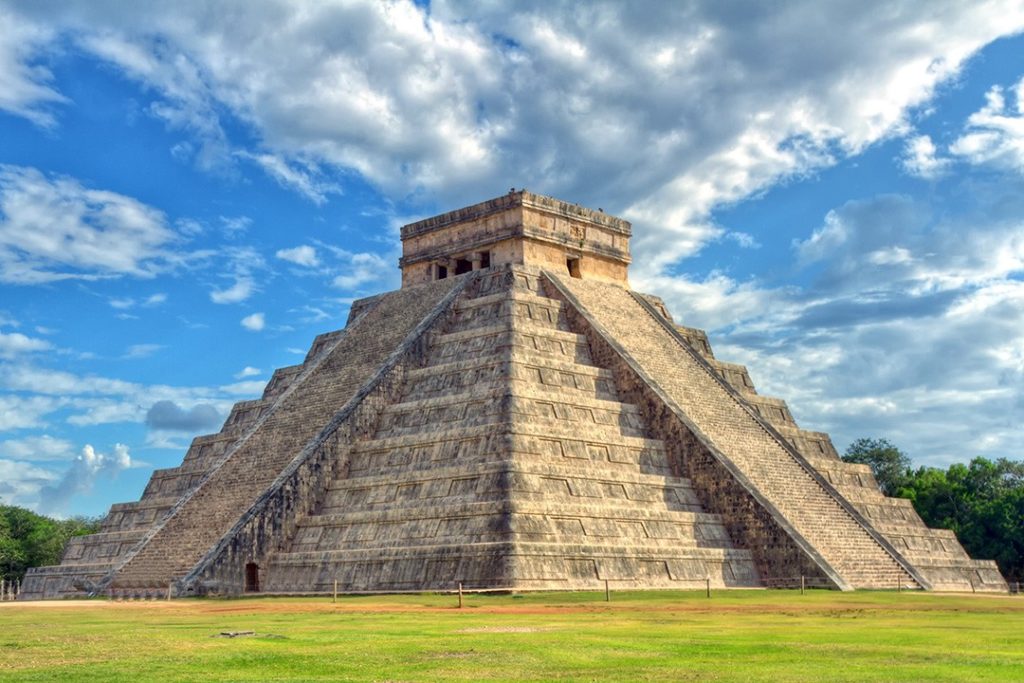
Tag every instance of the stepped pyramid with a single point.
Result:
(513, 417)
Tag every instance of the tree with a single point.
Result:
(982, 502)
(889, 464)
(30, 540)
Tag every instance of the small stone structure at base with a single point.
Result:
(513, 417)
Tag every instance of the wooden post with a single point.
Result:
(334, 598)
(708, 580)
(170, 591)
(3, 589)
(802, 583)
(607, 592)
(899, 583)
(460, 595)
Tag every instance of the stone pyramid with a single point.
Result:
(514, 417)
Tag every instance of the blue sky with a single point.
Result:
(189, 194)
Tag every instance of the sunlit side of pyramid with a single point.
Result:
(513, 417)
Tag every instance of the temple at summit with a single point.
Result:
(514, 417)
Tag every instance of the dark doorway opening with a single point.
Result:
(442, 272)
(463, 266)
(252, 578)
(573, 264)
(485, 259)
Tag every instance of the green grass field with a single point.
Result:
(738, 635)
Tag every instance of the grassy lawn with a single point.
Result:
(739, 635)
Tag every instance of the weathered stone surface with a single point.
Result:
(510, 428)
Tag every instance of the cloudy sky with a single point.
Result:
(190, 191)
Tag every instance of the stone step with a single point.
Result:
(494, 339)
(513, 465)
(494, 481)
(519, 365)
(476, 445)
(594, 549)
(535, 506)
(506, 307)
(487, 405)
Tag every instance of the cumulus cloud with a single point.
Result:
(142, 350)
(91, 400)
(240, 291)
(80, 477)
(250, 388)
(36, 448)
(714, 104)
(254, 322)
(21, 482)
(360, 268)
(242, 265)
(15, 343)
(995, 133)
(304, 255)
(897, 240)
(247, 371)
(233, 226)
(54, 228)
(910, 324)
(169, 416)
(23, 412)
(306, 181)
(26, 85)
(920, 158)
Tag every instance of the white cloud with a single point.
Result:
(743, 240)
(142, 350)
(920, 159)
(15, 343)
(254, 322)
(25, 85)
(660, 113)
(303, 180)
(36, 448)
(22, 412)
(20, 482)
(240, 291)
(304, 255)
(250, 388)
(56, 229)
(92, 400)
(242, 263)
(233, 226)
(80, 477)
(995, 133)
(360, 268)
(247, 371)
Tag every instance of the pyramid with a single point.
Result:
(514, 417)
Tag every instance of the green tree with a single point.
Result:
(982, 502)
(31, 540)
(888, 463)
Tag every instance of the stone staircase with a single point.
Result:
(731, 426)
(935, 553)
(509, 462)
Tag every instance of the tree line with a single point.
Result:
(982, 502)
(29, 540)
